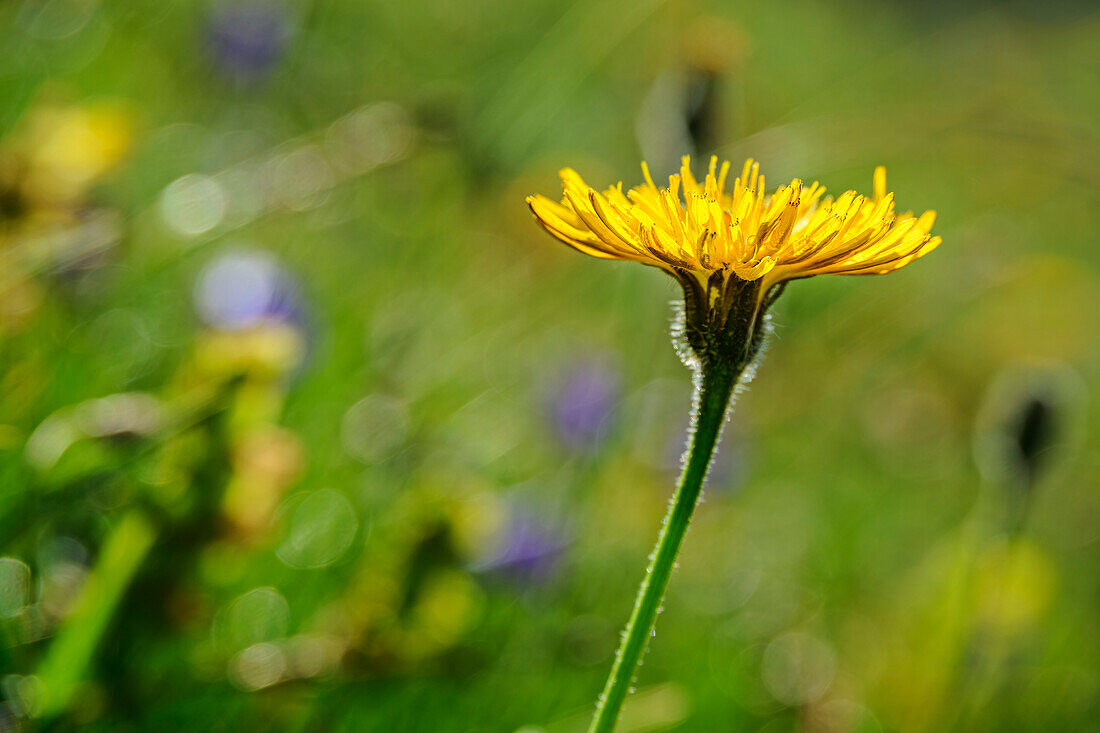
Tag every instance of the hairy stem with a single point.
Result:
(714, 389)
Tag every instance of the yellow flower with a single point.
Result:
(697, 229)
(732, 252)
(70, 148)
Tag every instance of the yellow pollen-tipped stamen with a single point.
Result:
(722, 176)
(879, 183)
(743, 181)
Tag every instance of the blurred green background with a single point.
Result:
(305, 425)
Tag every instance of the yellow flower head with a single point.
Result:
(696, 229)
(70, 148)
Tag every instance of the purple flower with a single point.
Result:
(245, 288)
(582, 404)
(247, 38)
(528, 552)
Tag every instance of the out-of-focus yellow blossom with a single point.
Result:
(1014, 586)
(269, 349)
(267, 461)
(715, 44)
(46, 167)
(694, 229)
(69, 148)
(448, 604)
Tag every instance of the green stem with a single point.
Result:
(712, 400)
(70, 653)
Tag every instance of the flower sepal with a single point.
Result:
(723, 321)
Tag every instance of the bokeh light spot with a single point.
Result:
(370, 136)
(374, 427)
(321, 529)
(302, 178)
(260, 615)
(193, 205)
(260, 665)
(798, 668)
(15, 586)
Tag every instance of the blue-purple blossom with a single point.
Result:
(245, 288)
(529, 550)
(583, 402)
(247, 39)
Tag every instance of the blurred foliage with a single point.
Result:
(305, 426)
